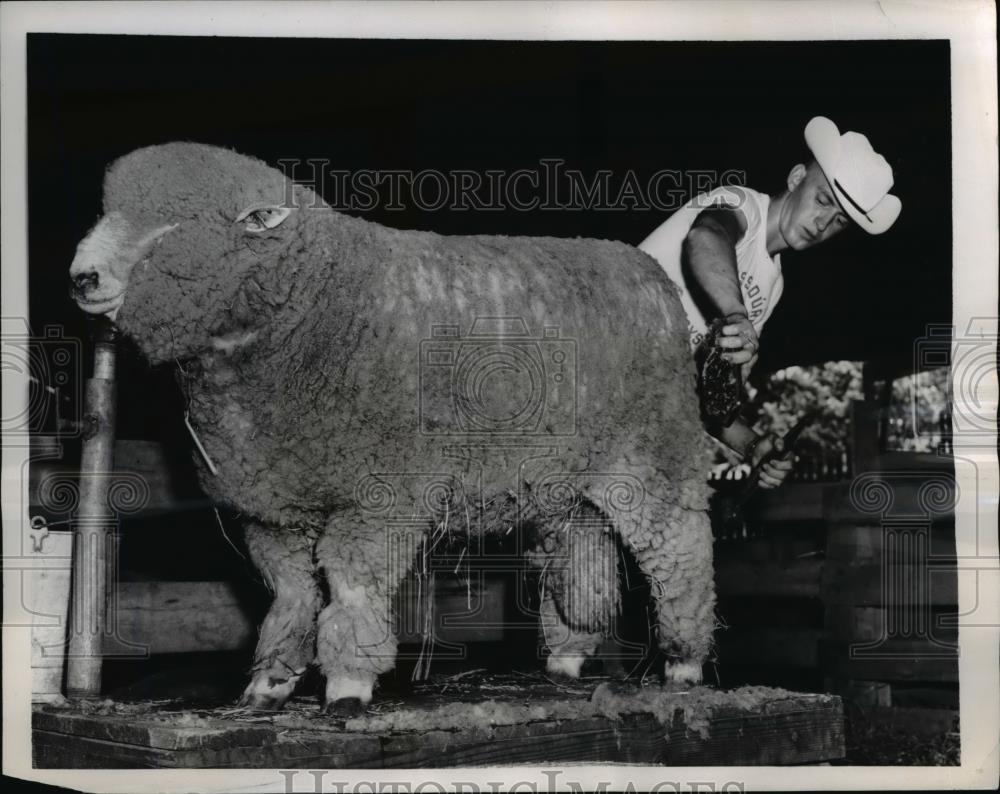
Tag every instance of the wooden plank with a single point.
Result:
(65, 751)
(894, 660)
(796, 501)
(749, 612)
(321, 749)
(930, 696)
(780, 729)
(57, 750)
(866, 542)
(170, 489)
(866, 442)
(806, 733)
(189, 733)
(861, 693)
(180, 617)
(849, 623)
(872, 584)
(918, 721)
(542, 742)
(794, 579)
(909, 499)
(785, 546)
(756, 550)
(809, 735)
(585, 740)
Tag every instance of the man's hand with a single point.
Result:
(739, 343)
(773, 473)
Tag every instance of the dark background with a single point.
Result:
(483, 105)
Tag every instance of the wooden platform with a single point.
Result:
(470, 720)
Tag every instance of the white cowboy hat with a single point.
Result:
(860, 177)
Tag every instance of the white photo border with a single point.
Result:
(970, 26)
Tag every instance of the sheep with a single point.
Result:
(329, 363)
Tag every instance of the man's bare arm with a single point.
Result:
(709, 253)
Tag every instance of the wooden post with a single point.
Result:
(94, 524)
(864, 436)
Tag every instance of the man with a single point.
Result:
(722, 249)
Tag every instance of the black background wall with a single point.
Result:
(637, 106)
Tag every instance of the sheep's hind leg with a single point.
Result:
(356, 641)
(579, 583)
(673, 547)
(287, 641)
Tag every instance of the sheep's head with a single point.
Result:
(192, 247)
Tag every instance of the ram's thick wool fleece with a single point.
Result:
(300, 351)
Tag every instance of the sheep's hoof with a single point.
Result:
(564, 668)
(258, 702)
(344, 707)
(681, 676)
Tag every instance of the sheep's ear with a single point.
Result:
(260, 218)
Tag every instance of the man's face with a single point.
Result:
(811, 212)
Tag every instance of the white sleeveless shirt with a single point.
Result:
(760, 276)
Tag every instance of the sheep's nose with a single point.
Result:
(84, 281)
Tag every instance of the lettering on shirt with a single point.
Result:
(753, 299)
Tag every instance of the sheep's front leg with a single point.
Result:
(673, 547)
(579, 587)
(363, 561)
(287, 641)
